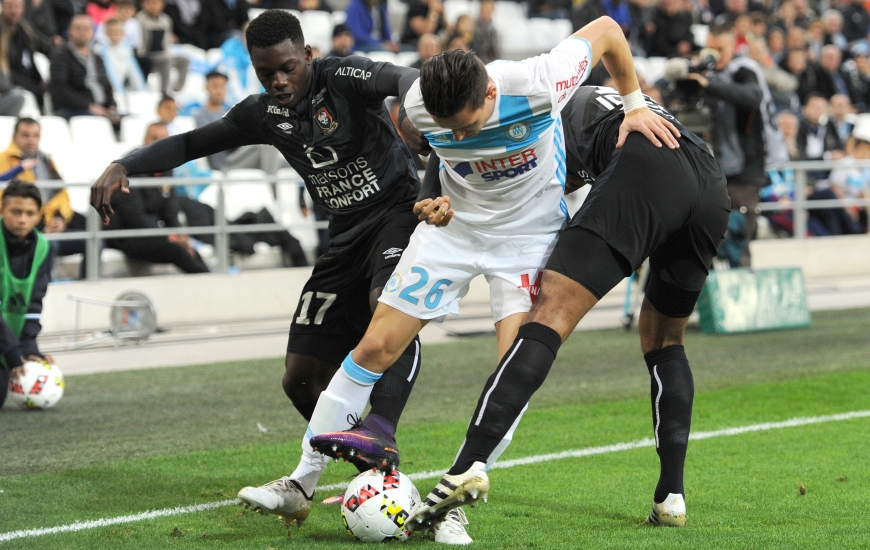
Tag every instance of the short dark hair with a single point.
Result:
(341, 29)
(164, 98)
(273, 27)
(718, 29)
(216, 74)
(23, 120)
(22, 189)
(814, 95)
(453, 81)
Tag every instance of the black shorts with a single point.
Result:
(670, 206)
(334, 310)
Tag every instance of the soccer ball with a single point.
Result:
(39, 387)
(376, 506)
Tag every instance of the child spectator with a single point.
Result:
(155, 45)
(214, 108)
(167, 112)
(126, 12)
(236, 64)
(25, 268)
(121, 66)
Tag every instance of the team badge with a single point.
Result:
(286, 127)
(393, 284)
(325, 121)
(517, 131)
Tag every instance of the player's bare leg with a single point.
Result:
(671, 393)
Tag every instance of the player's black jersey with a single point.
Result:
(340, 139)
(591, 123)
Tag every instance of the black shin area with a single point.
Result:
(305, 377)
(390, 393)
(519, 374)
(672, 391)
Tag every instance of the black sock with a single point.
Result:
(306, 409)
(672, 391)
(519, 374)
(390, 393)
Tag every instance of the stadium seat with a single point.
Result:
(288, 202)
(655, 69)
(254, 12)
(95, 131)
(43, 66)
(185, 123)
(213, 57)
(133, 130)
(541, 31)
(7, 127)
(406, 59)
(250, 196)
(193, 90)
(79, 198)
(517, 43)
(143, 104)
(700, 33)
(338, 17)
(317, 28)
(561, 29)
(55, 138)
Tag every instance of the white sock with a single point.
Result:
(347, 394)
(503, 444)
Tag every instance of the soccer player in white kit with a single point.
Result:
(503, 174)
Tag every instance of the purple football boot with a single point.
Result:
(369, 444)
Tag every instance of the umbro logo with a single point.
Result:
(392, 253)
(286, 127)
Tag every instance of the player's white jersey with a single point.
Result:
(509, 177)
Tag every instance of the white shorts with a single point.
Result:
(440, 262)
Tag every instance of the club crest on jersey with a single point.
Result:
(275, 110)
(286, 127)
(517, 131)
(394, 284)
(325, 121)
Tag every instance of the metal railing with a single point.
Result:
(801, 205)
(95, 233)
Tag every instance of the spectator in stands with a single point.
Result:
(236, 64)
(789, 126)
(783, 85)
(810, 76)
(126, 12)
(485, 43)
(842, 116)
(214, 108)
(120, 61)
(796, 39)
(11, 97)
(856, 20)
(79, 84)
(40, 14)
(628, 15)
(25, 254)
(815, 39)
(817, 136)
(758, 24)
(463, 30)
(457, 42)
(743, 136)
(148, 208)
(155, 46)
(227, 17)
(20, 42)
(672, 35)
(342, 41)
(428, 47)
(100, 10)
(776, 44)
(369, 22)
(424, 17)
(167, 112)
(830, 63)
(833, 22)
(854, 183)
(27, 163)
(189, 22)
(858, 71)
(550, 9)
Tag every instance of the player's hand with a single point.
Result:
(655, 128)
(415, 138)
(434, 212)
(112, 178)
(56, 225)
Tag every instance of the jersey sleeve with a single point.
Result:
(245, 118)
(563, 69)
(355, 75)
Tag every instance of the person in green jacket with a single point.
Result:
(25, 270)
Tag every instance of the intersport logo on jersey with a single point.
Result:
(495, 169)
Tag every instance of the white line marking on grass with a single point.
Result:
(153, 514)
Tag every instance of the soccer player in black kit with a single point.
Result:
(669, 205)
(327, 117)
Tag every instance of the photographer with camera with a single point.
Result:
(743, 135)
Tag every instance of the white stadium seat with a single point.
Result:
(95, 131)
(133, 130)
(55, 138)
(406, 59)
(185, 123)
(388, 57)
(288, 201)
(7, 127)
(454, 9)
(143, 104)
(250, 196)
(700, 32)
(317, 28)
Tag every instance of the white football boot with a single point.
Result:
(670, 513)
(283, 497)
(451, 529)
(451, 492)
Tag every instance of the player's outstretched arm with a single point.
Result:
(609, 45)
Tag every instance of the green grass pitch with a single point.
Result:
(126, 443)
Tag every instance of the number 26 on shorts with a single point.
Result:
(433, 297)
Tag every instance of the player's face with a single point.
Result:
(469, 122)
(20, 215)
(284, 70)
